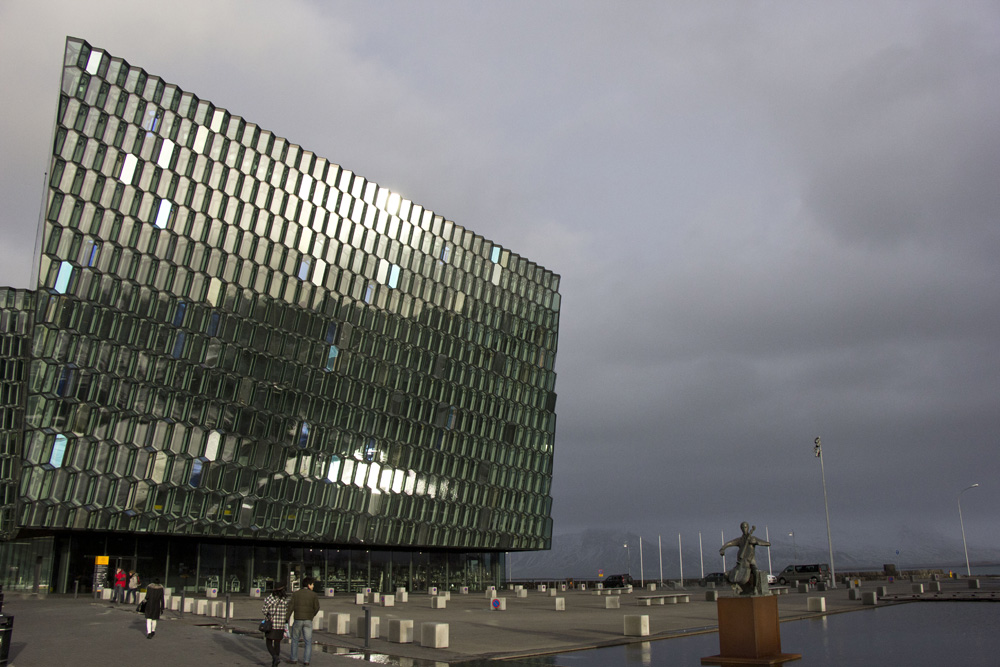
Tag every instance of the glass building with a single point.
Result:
(243, 363)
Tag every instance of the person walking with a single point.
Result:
(154, 605)
(133, 587)
(118, 594)
(305, 604)
(275, 610)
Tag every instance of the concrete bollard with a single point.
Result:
(543, 588)
(330, 592)
(212, 592)
(560, 604)
(711, 596)
(439, 602)
(612, 602)
(869, 598)
(803, 588)
(498, 604)
(434, 635)
(816, 604)
(255, 592)
(821, 586)
(214, 607)
(973, 583)
(636, 625)
(400, 631)
(317, 622)
(360, 598)
(934, 587)
(464, 590)
(553, 592)
(433, 590)
(175, 604)
(854, 594)
(188, 605)
(201, 608)
(917, 588)
(339, 624)
(882, 591)
(521, 593)
(650, 587)
(387, 600)
(359, 627)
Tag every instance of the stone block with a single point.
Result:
(522, 593)
(214, 607)
(816, 604)
(553, 592)
(869, 598)
(934, 587)
(973, 583)
(711, 596)
(464, 590)
(212, 592)
(498, 604)
(882, 591)
(359, 627)
(400, 631)
(188, 605)
(543, 588)
(360, 598)
(387, 600)
(446, 595)
(318, 620)
(175, 604)
(339, 624)
(636, 625)
(803, 588)
(255, 592)
(439, 602)
(560, 604)
(650, 587)
(612, 602)
(433, 590)
(434, 635)
(917, 588)
(330, 592)
(201, 607)
(854, 594)
(402, 596)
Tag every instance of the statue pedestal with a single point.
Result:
(749, 633)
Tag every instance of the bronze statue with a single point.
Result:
(745, 577)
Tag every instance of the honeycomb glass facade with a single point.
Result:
(237, 342)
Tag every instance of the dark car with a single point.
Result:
(618, 581)
(713, 578)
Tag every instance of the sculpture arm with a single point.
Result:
(735, 542)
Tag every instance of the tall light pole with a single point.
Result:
(818, 450)
(968, 570)
(795, 549)
(628, 557)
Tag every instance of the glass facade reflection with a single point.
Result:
(234, 338)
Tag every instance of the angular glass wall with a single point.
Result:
(16, 309)
(236, 337)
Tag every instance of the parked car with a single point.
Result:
(771, 579)
(713, 578)
(813, 573)
(618, 581)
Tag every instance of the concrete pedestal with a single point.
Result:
(749, 633)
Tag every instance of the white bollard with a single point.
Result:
(636, 625)
(816, 604)
(560, 604)
(400, 631)
(359, 627)
(330, 592)
(339, 624)
(317, 623)
(612, 602)
(439, 602)
(434, 635)
(255, 592)
(388, 600)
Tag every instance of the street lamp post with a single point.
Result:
(628, 558)
(818, 450)
(968, 570)
(795, 549)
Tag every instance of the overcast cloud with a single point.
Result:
(772, 221)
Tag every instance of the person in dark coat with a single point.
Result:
(154, 605)
(276, 610)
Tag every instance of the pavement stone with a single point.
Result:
(54, 630)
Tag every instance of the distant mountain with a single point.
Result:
(586, 554)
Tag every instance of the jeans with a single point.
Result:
(302, 629)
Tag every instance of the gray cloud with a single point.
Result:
(772, 221)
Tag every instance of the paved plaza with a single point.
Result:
(60, 630)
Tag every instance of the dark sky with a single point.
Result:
(773, 221)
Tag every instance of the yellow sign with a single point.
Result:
(101, 560)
